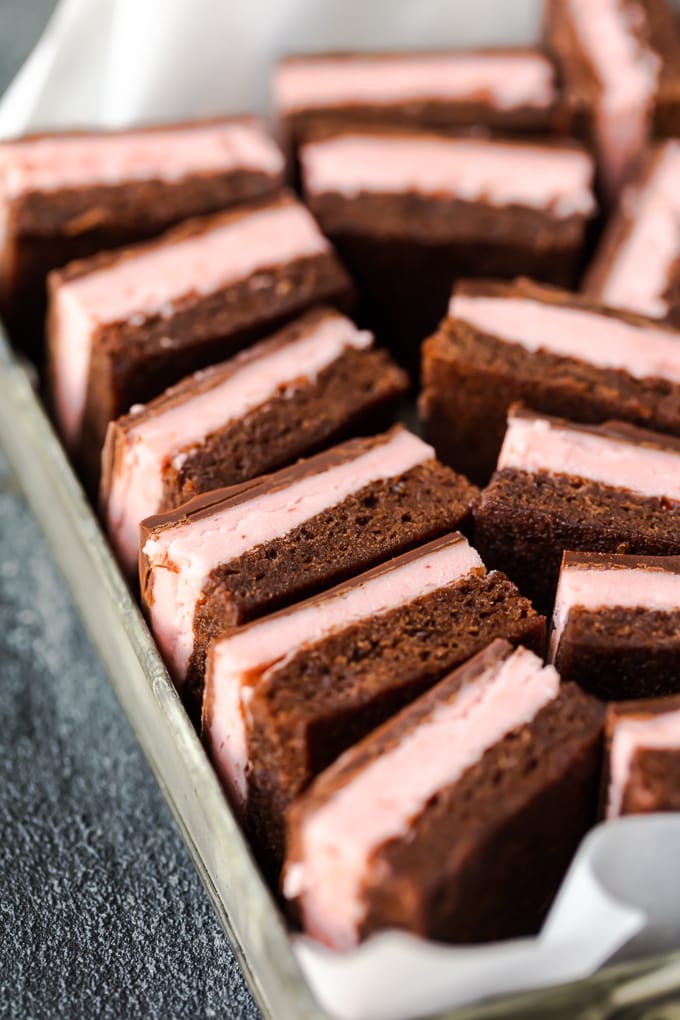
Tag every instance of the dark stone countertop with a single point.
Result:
(101, 912)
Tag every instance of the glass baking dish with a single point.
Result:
(240, 897)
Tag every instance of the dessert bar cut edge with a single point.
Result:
(242, 902)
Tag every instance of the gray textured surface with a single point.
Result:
(101, 913)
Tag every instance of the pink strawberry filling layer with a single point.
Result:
(557, 180)
(508, 80)
(536, 444)
(379, 804)
(602, 588)
(70, 161)
(642, 352)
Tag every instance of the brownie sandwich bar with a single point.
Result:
(411, 212)
(237, 553)
(620, 65)
(457, 819)
(287, 694)
(509, 90)
(560, 353)
(66, 196)
(318, 379)
(643, 757)
(125, 325)
(616, 624)
(559, 486)
(637, 265)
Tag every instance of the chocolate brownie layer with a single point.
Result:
(471, 377)
(50, 225)
(383, 519)
(304, 713)
(654, 782)
(131, 361)
(622, 653)
(523, 523)
(446, 220)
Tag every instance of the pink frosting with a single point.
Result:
(175, 433)
(573, 333)
(182, 557)
(237, 662)
(379, 804)
(603, 588)
(71, 161)
(638, 275)
(658, 732)
(628, 71)
(536, 444)
(154, 279)
(558, 180)
(508, 80)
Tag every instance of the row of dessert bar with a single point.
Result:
(378, 788)
(420, 168)
(492, 771)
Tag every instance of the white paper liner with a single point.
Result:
(620, 898)
(115, 62)
(111, 63)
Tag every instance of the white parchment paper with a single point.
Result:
(111, 63)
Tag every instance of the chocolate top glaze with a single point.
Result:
(619, 431)
(620, 561)
(547, 294)
(189, 228)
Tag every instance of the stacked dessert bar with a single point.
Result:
(355, 628)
